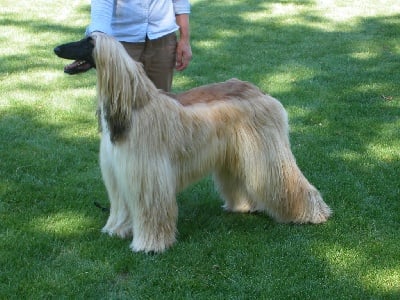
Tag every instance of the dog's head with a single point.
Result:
(80, 50)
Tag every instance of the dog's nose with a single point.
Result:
(57, 50)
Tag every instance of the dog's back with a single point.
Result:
(222, 91)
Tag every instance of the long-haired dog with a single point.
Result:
(154, 144)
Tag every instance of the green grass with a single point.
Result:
(335, 67)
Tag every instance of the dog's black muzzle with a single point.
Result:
(80, 50)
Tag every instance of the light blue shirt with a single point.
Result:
(133, 20)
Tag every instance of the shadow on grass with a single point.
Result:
(41, 165)
(43, 32)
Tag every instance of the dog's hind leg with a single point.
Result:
(286, 194)
(272, 182)
(300, 201)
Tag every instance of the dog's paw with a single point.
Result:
(321, 214)
(124, 232)
(151, 246)
(107, 230)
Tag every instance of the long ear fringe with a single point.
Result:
(122, 84)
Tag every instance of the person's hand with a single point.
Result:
(183, 55)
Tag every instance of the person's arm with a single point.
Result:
(100, 15)
(183, 50)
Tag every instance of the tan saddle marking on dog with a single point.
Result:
(232, 88)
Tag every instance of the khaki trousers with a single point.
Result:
(158, 58)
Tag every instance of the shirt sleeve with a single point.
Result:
(100, 16)
(181, 7)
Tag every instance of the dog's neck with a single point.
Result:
(122, 85)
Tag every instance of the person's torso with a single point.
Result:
(133, 20)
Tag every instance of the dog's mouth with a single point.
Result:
(78, 66)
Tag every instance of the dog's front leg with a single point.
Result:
(154, 224)
(155, 210)
(120, 221)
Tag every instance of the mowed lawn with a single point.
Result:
(334, 65)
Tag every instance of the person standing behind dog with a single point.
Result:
(147, 30)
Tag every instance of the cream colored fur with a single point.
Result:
(153, 145)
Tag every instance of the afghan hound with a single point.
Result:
(154, 144)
